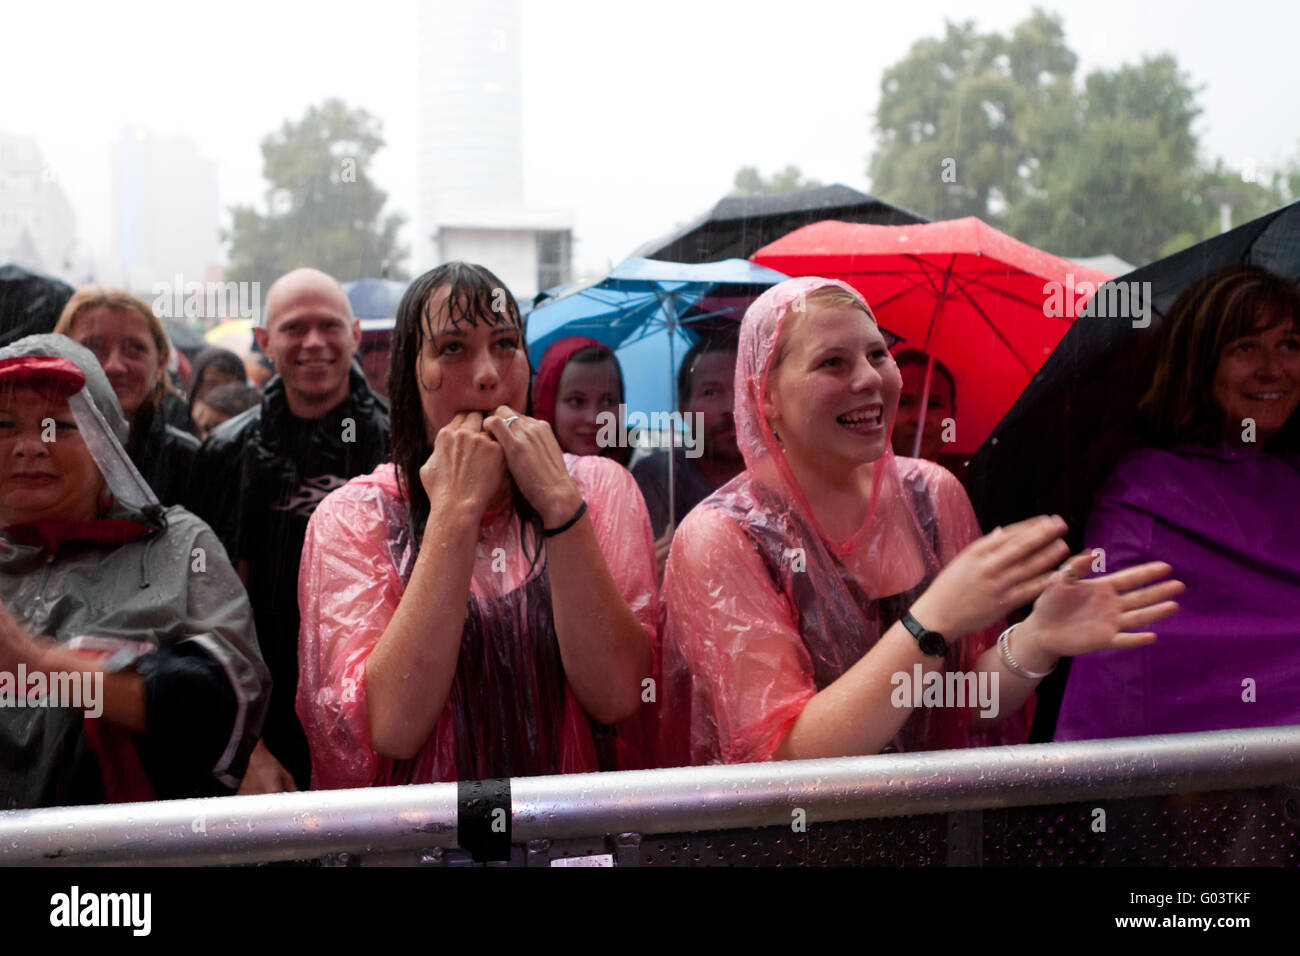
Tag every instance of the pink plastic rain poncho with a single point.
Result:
(756, 627)
(510, 711)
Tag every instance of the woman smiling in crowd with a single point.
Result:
(131, 345)
(798, 590)
(1215, 494)
(102, 586)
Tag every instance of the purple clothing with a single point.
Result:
(1228, 520)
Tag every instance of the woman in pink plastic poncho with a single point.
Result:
(486, 605)
(786, 590)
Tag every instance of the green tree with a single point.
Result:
(1291, 180)
(980, 124)
(749, 182)
(322, 208)
(955, 114)
(1117, 169)
(1229, 197)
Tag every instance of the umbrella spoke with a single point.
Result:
(933, 273)
(993, 327)
(1010, 295)
(980, 282)
(940, 298)
(888, 300)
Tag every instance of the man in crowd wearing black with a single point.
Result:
(705, 386)
(260, 475)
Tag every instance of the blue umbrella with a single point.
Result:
(374, 298)
(649, 312)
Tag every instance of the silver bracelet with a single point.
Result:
(1004, 651)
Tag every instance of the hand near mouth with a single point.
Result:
(466, 467)
(534, 459)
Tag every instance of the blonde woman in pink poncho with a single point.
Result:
(791, 590)
(485, 606)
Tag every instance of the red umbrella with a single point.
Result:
(960, 291)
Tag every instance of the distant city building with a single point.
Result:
(165, 211)
(37, 227)
(470, 154)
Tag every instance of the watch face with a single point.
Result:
(932, 643)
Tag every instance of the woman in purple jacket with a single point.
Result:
(1217, 495)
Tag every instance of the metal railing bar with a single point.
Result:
(228, 830)
(889, 785)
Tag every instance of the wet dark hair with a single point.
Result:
(1225, 305)
(232, 398)
(474, 295)
(723, 341)
(597, 355)
(223, 360)
(917, 357)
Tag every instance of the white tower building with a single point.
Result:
(165, 211)
(470, 152)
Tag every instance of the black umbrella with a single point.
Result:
(1063, 436)
(184, 337)
(30, 302)
(739, 226)
(1053, 450)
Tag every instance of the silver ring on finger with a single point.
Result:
(1068, 571)
(511, 420)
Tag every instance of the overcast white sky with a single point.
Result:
(636, 114)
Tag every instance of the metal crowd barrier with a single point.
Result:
(1228, 797)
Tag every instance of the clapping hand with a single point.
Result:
(1004, 570)
(1078, 615)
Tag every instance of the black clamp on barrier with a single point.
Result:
(483, 818)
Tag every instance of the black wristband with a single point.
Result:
(552, 532)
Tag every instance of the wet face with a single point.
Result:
(1258, 378)
(586, 390)
(207, 418)
(832, 397)
(46, 471)
(125, 347)
(713, 396)
(213, 378)
(469, 367)
(311, 337)
(939, 407)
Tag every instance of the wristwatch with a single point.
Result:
(931, 642)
